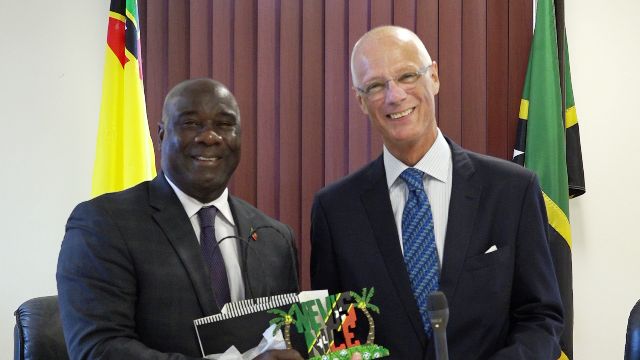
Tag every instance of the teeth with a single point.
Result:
(401, 114)
(206, 158)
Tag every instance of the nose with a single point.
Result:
(395, 93)
(208, 136)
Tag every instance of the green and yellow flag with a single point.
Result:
(551, 148)
(124, 151)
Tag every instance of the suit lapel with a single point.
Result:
(173, 221)
(375, 199)
(251, 252)
(463, 207)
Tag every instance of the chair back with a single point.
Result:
(632, 347)
(38, 330)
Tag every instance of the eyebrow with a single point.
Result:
(222, 111)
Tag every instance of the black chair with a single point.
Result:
(632, 348)
(38, 331)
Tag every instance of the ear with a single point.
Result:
(435, 80)
(361, 102)
(160, 132)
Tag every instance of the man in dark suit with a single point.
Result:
(131, 274)
(481, 233)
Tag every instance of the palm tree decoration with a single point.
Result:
(363, 303)
(285, 319)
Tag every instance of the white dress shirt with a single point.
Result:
(437, 166)
(224, 226)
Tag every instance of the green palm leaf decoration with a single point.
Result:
(363, 303)
(286, 319)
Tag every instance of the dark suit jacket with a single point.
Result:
(503, 305)
(131, 278)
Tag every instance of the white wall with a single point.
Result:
(51, 59)
(604, 41)
(51, 71)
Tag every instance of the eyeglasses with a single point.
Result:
(375, 89)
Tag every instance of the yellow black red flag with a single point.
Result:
(124, 151)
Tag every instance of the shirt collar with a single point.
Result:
(192, 206)
(435, 162)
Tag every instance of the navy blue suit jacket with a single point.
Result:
(503, 305)
(131, 277)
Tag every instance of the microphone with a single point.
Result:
(251, 261)
(439, 317)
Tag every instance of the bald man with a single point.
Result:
(428, 215)
(133, 272)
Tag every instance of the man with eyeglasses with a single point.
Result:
(428, 215)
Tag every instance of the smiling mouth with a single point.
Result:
(401, 114)
(207, 159)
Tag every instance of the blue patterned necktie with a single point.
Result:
(213, 256)
(419, 243)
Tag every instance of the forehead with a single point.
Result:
(203, 98)
(385, 56)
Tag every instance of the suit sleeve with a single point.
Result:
(324, 269)
(97, 290)
(536, 307)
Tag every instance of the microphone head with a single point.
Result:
(438, 311)
(437, 301)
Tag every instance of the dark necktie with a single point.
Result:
(418, 241)
(212, 255)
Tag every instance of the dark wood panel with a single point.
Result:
(287, 62)
(244, 87)
(312, 120)
(199, 39)
(427, 25)
(404, 14)
(474, 75)
(427, 29)
(497, 78)
(177, 42)
(289, 187)
(267, 110)
(335, 96)
(381, 13)
(358, 124)
(450, 68)
(222, 50)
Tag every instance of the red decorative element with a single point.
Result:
(116, 39)
(254, 236)
(348, 323)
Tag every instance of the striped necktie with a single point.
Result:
(213, 256)
(419, 244)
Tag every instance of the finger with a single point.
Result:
(288, 354)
